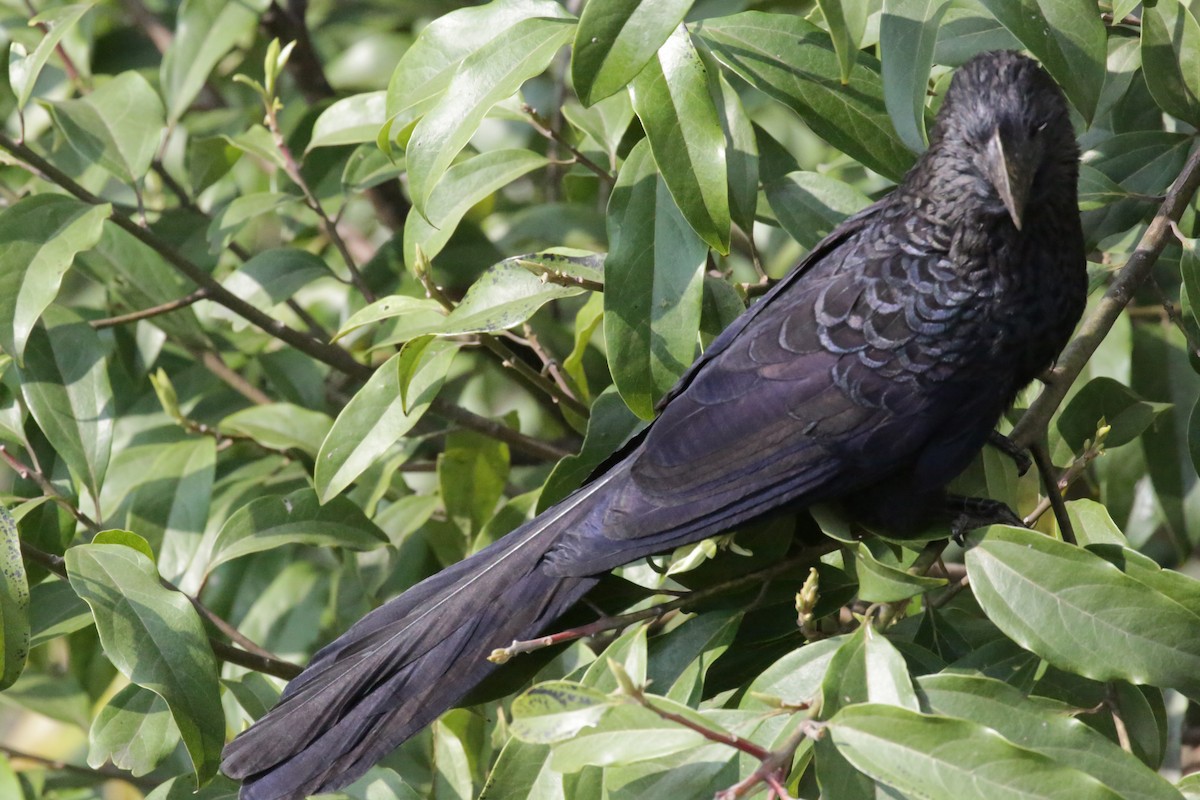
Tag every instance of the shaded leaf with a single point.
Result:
(134, 730)
(615, 40)
(908, 31)
(1171, 58)
(153, 636)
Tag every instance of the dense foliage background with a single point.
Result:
(300, 304)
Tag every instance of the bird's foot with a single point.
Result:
(1012, 450)
(969, 513)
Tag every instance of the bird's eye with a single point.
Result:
(1036, 128)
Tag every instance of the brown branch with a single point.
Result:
(1095, 327)
(147, 313)
(107, 772)
(774, 766)
(1054, 486)
(543, 126)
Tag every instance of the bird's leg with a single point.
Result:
(1012, 450)
(968, 513)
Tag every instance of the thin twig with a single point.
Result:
(147, 313)
(1054, 486)
(1097, 325)
(809, 556)
(542, 126)
(106, 771)
(48, 488)
(776, 764)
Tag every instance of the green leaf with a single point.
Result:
(298, 518)
(23, 70)
(908, 31)
(1120, 407)
(654, 276)
(508, 293)
(464, 184)
(1068, 37)
(374, 419)
(14, 603)
(55, 610)
(741, 149)
(793, 61)
(39, 238)
(65, 384)
(118, 126)
(153, 636)
(273, 276)
(472, 472)
(487, 76)
(884, 579)
(280, 426)
(809, 205)
(796, 678)
(352, 120)
(135, 731)
(671, 98)
(415, 314)
(1046, 727)
(939, 758)
(609, 425)
(205, 30)
(847, 21)
(434, 58)
(616, 39)
(1171, 58)
(556, 711)
(170, 507)
(867, 668)
(242, 209)
(1066, 604)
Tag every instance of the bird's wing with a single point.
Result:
(821, 390)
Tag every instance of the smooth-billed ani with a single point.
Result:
(872, 375)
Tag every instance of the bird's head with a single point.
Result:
(1009, 120)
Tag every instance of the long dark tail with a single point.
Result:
(405, 663)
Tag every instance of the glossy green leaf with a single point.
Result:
(741, 150)
(1120, 407)
(1065, 604)
(472, 472)
(1068, 37)
(134, 730)
(352, 120)
(14, 603)
(273, 276)
(509, 293)
(415, 314)
(671, 98)
(227, 222)
(464, 185)
(908, 31)
(615, 40)
(280, 426)
(55, 610)
(170, 507)
(154, 637)
(948, 759)
(298, 518)
(556, 711)
(809, 205)
(1046, 727)
(485, 77)
(847, 21)
(429, 65)
(374, 419)
(24, 68)
(794, 62)
(654, 277)
(40, 236)
(205, 30)
(65, 384)
(796, 678)
(884, 580)
(118, 126)
(1171, 58)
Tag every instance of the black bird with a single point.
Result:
(872, 375)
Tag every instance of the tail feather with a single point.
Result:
(405, 663)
